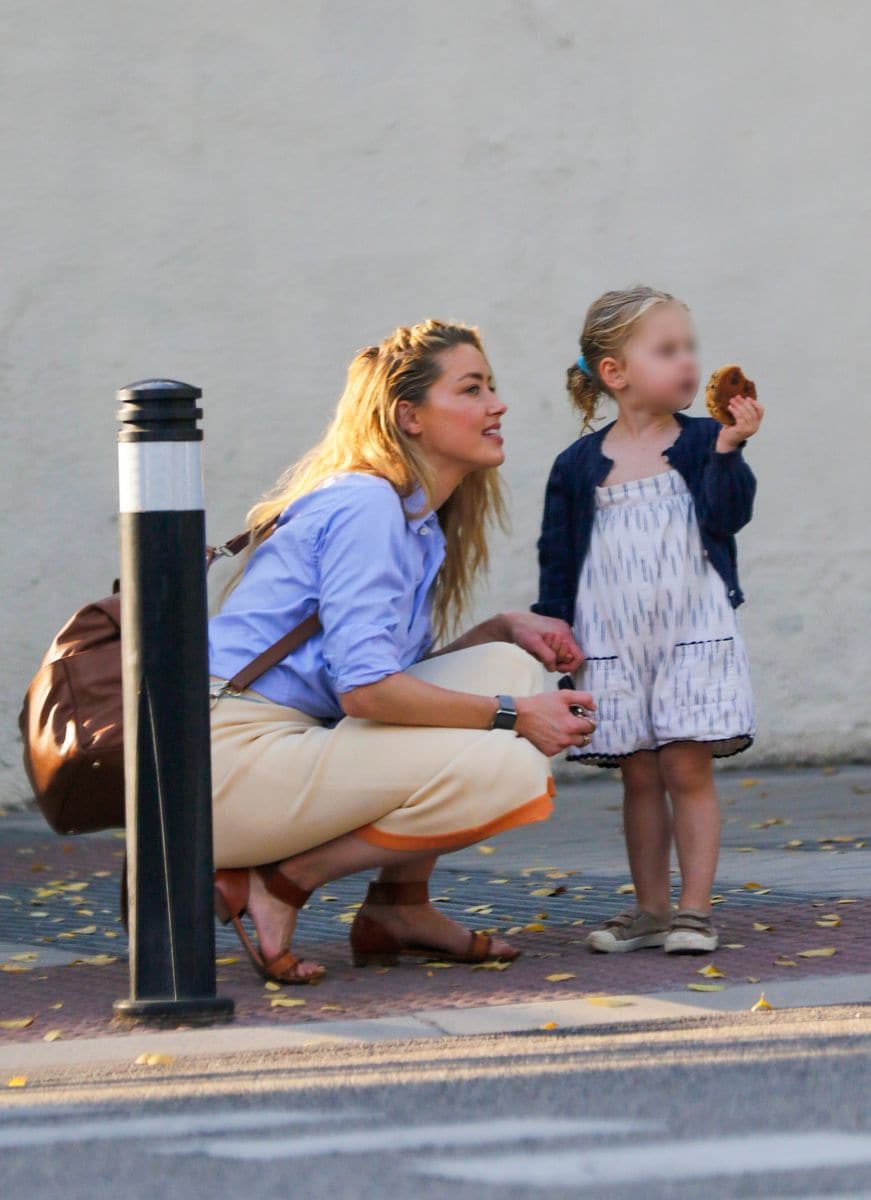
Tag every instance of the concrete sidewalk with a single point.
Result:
(795, 854)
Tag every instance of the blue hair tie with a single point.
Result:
(582, 366)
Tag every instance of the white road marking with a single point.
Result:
(672, 1160)
(389, 1139)
(18, 1134)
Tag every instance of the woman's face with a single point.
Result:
(457, 427)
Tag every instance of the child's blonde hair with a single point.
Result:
(608, 325)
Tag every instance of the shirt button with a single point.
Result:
(704, 554)
(424, 531)
(732, 592)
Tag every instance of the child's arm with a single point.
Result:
(556, 582)
(728, 484)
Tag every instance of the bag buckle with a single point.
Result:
(217, 689)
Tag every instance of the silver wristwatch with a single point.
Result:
(506, 714)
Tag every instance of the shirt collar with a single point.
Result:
(413, 504)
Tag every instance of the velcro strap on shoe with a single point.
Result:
(699, 922)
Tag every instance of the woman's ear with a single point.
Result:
(611, 373)
(407, 418)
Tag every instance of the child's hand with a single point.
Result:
(546, 638)
(748, 414)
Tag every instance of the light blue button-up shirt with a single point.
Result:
(349, 550)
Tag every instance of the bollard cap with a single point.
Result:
(159, 410)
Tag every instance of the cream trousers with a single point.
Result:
(284, 783)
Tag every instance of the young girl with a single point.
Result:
(637, 552)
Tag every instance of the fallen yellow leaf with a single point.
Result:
(486, 849)
(760, 928)
(286, 1002)
(794, 844)
(783, 961)
(271, 986)
(154, 1060)
(14, 968)
(332, 1008)
(226, 961)
(479, 908)
(710, 972)
(823, 952)
(609, 1001)
(346, 918)
(17, 1081)
(751, 887)
(747, 783)
(549, 1025)
(498, 880)
(830, 922)
(559, 978)
(17, 1022)
(493, 965)
(441, 966)
(59, 1004)
(752, 978)
(28, 957)
(95, 960)
(705, 987)
(762, 1005)
(534, 927)
(53, 1035)
(625, 889)
(735, 946)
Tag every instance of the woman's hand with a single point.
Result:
(548, 639)
(547, 721)
(748, 414)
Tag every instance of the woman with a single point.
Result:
(364, 748)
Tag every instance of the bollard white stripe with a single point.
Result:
(160, 477)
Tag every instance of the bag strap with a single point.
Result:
(273, 655)
(285, 645)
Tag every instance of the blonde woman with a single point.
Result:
(365, 748)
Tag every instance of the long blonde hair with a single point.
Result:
(365, 435)
(608, 325)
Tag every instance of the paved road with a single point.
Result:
(732, 1108)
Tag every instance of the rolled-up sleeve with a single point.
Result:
(365, 586)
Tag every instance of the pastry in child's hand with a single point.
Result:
(723, 386)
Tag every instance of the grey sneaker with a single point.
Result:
(691, 933)
(631, 930)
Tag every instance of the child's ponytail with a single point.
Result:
(584, 390)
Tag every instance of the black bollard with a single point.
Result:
(167, 763)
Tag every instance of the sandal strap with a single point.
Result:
(381, 892)
(282, 964)
(479, 947)
(620, 920)
(284, 889)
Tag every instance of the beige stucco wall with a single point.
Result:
(241, 195)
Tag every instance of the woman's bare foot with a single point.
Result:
(424, 925)
(275, 923)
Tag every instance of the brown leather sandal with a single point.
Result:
(232, 889)
(373, 945)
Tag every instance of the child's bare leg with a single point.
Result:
(648, 829)
(688, 774)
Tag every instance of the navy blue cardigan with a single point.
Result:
(722, 487)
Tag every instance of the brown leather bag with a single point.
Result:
(71, 719)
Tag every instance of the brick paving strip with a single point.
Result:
(44, 911)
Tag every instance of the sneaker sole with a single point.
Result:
(608, 944)
(690, 943)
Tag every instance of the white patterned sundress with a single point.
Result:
(665, 660)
